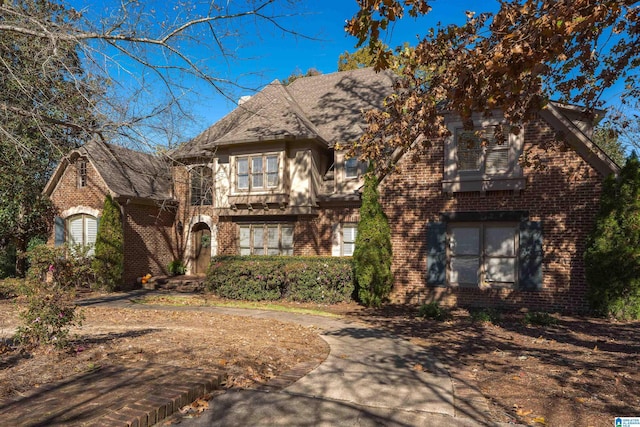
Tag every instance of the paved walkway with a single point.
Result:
(370, 377)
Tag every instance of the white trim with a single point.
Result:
(80, 210)
(206, 219)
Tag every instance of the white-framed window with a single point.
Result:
(481, 151)
(483, 254)
(351, 167)
(82, 229)
(483, 158)
(201, 178)
(257, 172)
(344, 239)
(82, 166)
(266, 239)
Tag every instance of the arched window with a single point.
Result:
(82, 229)
(201, 186)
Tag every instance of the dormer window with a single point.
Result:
(484, 158)
(81, 166)
(351, 167)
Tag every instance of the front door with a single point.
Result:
(201, 240)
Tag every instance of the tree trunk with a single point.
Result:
(21, 260)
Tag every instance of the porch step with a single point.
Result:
(186, 284)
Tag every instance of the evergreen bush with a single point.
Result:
(373, 255)
(108, 263)
(612, 256)
(259, 278)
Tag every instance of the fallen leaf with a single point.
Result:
(524, 412)
(418, 367)
(540, 420)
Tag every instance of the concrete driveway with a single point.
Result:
(370, 378)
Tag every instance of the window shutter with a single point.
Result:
(530, 256)
(92, 231)
(59, 231)
(335, 240)
(76, 230)
(437, 253)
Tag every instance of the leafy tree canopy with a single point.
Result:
(298, 74)
(513, 60)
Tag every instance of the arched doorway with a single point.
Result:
(200, 248)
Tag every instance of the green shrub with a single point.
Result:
(250, 278)
(176, 267)
(50, 313)
(68, 266)
(373, 254)
(108, 263)
(7, 260)
(612, 256)
(259, 278)
(486, 315)
(319, 280)
(433, 310)
(538, 318)
(11, 288)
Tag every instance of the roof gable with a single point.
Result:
(127, 173)
(327, 108)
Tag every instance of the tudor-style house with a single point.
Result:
(473, 221)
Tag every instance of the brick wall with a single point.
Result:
(149, 234)
(67, 194)
(563, 194)
(149, 241)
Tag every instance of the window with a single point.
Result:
(266, 239)
(258, 172)
(351, 167)
(349, 232)
(480, 151)
(82, 173)
(201, 186)
(82, 230)
(484, 158)
(483, 254)
(344, 239)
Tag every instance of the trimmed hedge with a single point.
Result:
(304, 279)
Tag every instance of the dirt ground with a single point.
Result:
(578, 372)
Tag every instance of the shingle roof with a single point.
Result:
(129, 173)
(326, 107)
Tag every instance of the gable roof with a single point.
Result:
(126, 173)
(556, 115)
(327, 108)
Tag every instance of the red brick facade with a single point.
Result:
(149, 235)
(562, 192)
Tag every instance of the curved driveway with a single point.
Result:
(370, 378)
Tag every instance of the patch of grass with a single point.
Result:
(434, 311)
(177, 300)
(538, 318)
(486, 315)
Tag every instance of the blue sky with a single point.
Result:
(264, 53)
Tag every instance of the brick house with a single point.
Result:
(471, 222)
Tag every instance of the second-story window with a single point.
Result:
(82, 173)
(201, 186)
(351, 167)
(480, 151)
(257, 172)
